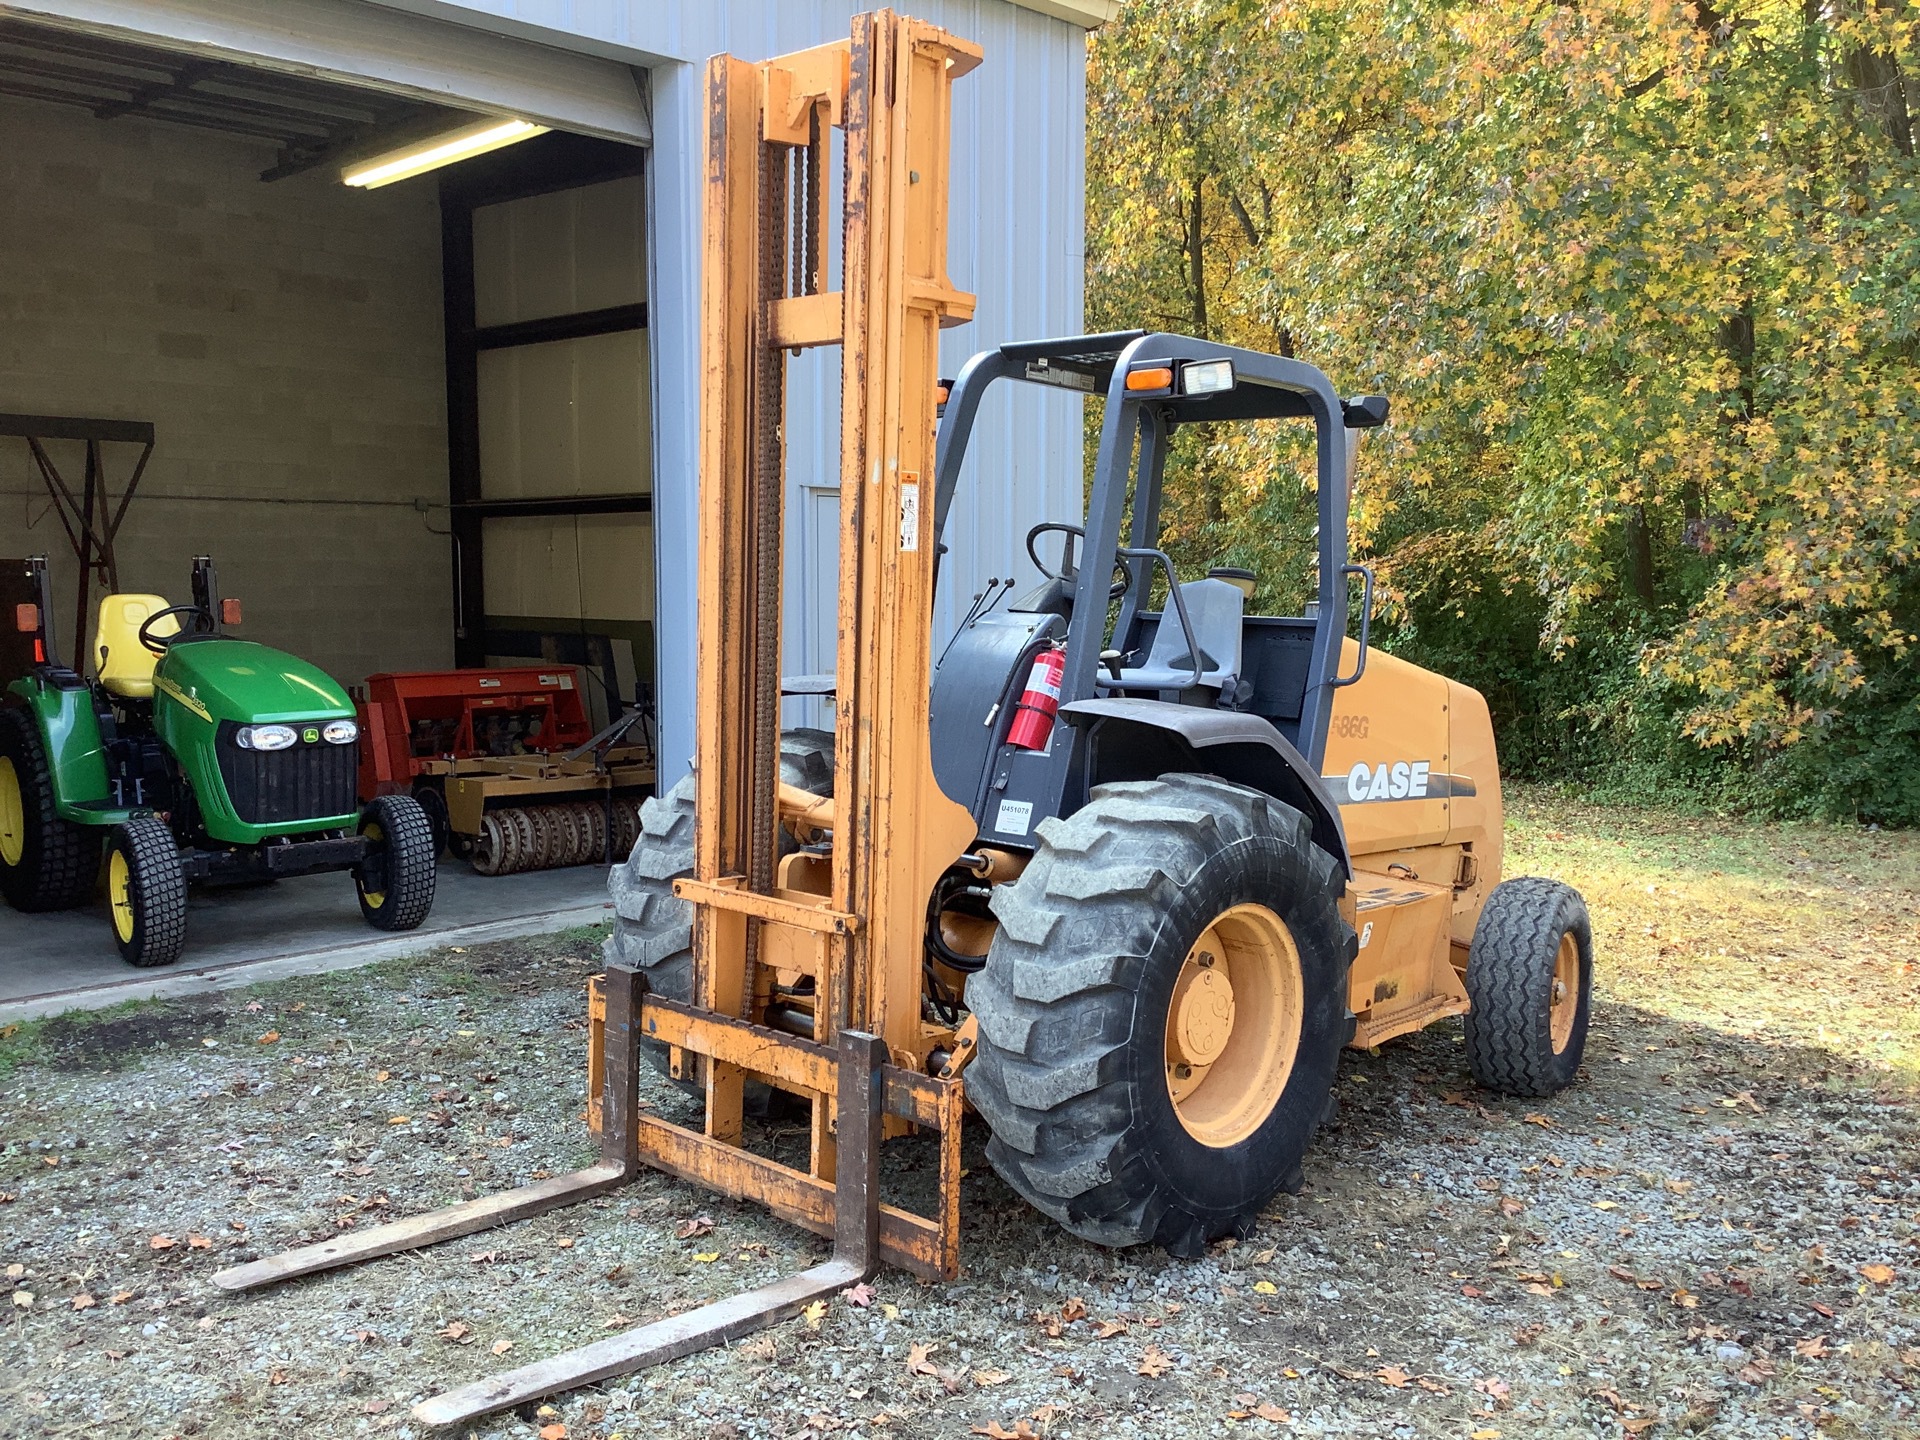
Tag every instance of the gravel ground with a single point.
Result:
(1714, 1233)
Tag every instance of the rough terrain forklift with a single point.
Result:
(190, 757)
(1125, 874)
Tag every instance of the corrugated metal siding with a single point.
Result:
(1016, 240)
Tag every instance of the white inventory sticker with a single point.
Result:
(1014, 817)
(910, 515)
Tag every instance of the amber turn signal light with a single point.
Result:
(229, 612)
(26, 619)
(1158, 377)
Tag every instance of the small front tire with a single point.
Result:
(1530, 983)
(395, 883)
(146, 892)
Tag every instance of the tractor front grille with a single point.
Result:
(283, 787)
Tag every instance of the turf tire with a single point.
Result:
(155, 918)
(59, 862)
(395, 884)
(1510, 986)
(653, 927)
(1073, 1008)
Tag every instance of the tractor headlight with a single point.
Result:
(265, 737)
(340, 732)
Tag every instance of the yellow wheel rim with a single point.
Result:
(13, 815)
(1566, 992)
(374, 898)
(120, 895)
(1233, 1025)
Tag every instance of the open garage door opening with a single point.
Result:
(411, 422)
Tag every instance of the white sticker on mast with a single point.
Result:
(909, 515)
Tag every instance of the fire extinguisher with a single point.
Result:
(1040, 701)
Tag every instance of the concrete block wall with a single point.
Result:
(286, 341)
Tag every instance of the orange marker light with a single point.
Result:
(229, 612)
(26, 618)
(1158, 378)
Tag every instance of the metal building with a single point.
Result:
(452, 420)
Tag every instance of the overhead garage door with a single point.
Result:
(400, 53)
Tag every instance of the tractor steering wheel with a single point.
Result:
(203, 625)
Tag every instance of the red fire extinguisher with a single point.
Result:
(1040, 701)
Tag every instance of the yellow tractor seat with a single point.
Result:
(125, 665)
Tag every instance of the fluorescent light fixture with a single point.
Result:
(441, 150)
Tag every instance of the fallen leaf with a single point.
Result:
(1510, 1207)
(1685, 1299)
(1826, 1310)
(457, 1330)
(565, 1242)
(1392, 1375)
(555, 1431)
(1878, 1274)
(120, 1297)
(199, 1242)
(1606, 1204)
(269, 1037)
(1545, 1122)
(1634, 1425)
(815, 1313)
(1486, 1435)
(277, 1377)
(374, 1407)
(1048, 1412)
(994, 1430)
(688, 1229)
(1076, 1309)
(918, 1362)
(1812, 1348)
(1472, 1292)
(400, 1120)
(991, 1377)
(1265, 1287)
(1154, 1363)
(1107, 1329)
(1267, 1410)
(707, 1257)
(23, 1298)
(859, 1296)
(162, 1242)
(500, 1347)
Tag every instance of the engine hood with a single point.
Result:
(222, 679)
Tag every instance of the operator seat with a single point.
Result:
(1214, 607)
(125, 666)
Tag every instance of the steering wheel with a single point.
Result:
(203, 625)
(1069, 573)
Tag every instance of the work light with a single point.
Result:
(340, 732)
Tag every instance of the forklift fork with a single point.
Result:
(856, 1229)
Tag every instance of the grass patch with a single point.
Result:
(1794, 933)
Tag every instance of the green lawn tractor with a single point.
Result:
(191, 757)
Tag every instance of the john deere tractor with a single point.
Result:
(189, 757)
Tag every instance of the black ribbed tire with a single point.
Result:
(653, 927)
(1510, 985)
(146, 892)
(56, 863)
(395, 883)
(1073, 1008)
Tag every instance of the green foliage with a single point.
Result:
(1643, 282)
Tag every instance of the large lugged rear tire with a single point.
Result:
(653, 927)
(1530, 984)
(395, 884)
(1105, 981)
(46, 863)
(146, 892)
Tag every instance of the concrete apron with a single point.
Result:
(66, 961)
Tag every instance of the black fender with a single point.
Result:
(1128, 738)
